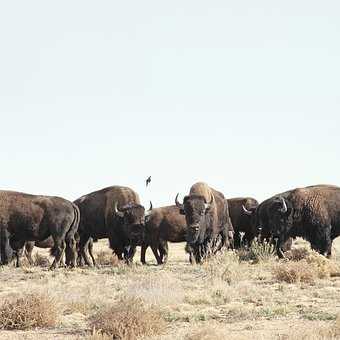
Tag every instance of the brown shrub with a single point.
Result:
(28, 312)
(294, 272)
(105, 258)
(128, 319)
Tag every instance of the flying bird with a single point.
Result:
(148, 181)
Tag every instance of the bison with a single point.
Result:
(162, 225)
(241, 210)
(25, 217)
(116, 213)
(259, 218)
(207, 216)
(312, 213)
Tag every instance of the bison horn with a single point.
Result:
(150, 206)
(116, 210)
(284, 208)
(246, 211)
(179, 205)
(208, 205)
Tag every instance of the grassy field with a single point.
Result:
(227, 297)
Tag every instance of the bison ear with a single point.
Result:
(181, 211)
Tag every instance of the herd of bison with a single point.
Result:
(205, 220)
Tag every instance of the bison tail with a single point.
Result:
(75, 224)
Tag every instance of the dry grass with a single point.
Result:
(223, 298)
(128, 320)
(223, 266)
(28, 312)
(41, 260)
(106, 258)
(257, 252)
(305, 266)
(207, 332)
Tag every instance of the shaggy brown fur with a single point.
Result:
(164, 224)
(34, 218)
(124, 228)
(241, 221)
(207, 216)
(312, 213)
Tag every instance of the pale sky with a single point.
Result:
(244, 95)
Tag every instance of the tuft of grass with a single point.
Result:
(306, 266)
(128, 319)
(106, 258)
(258, 252)
(41, 261)
(28, 312)
(98, 336)
(295, 272)
(223, 266)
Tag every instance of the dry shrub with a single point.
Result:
(106, 258)
(257, 252)
(28, 312)
(294, 272)
(306, 266)
(41, 260)
(224, 266)
(211, 332)
(128, 319)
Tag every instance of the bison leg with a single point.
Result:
(164, 251)
(129, 253)
(71, 251)
(157, 256)
(90, 249)
(28, 252)
(57, 251)
(143, 253)
(17, 246)
(84, 239)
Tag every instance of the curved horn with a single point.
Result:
(116, 211)
(208, 205)
(284, 208)
(179, 205)
(115, 208)
(150, 206)
(246, 211)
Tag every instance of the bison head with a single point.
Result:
(280, 221)
(196, 210)
(132, 219)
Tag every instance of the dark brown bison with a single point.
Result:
(25, 217)
(261, 223)
(312, 213)
(115, 213)
(163, 225)
(241, 210)
(208, 222)
(49, 243)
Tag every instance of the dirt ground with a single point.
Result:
(221, 299)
